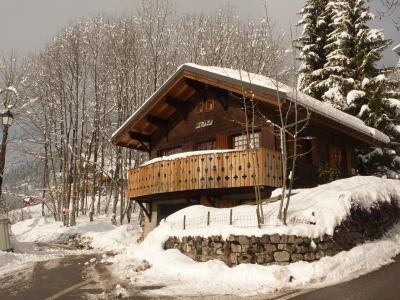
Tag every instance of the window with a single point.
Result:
(170, 151)
(209, 105)
(338, 159)
(199, 107)
(205, 106)
(209, 145)
(240, 141)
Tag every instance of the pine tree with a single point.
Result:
(338, 71)
(355, 83)
(352, 52)
(350, 79)
(368, 47)
(311, 45)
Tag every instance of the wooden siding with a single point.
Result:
(211, 171)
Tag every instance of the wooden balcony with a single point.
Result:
(208, 171)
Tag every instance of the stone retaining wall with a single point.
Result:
(361, 226)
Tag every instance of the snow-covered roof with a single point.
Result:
(267, 85)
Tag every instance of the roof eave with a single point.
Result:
(146, 105)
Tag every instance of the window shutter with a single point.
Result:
(222, 141)
(314, 153)
(268, 138)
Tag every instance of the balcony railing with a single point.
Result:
(241, 168)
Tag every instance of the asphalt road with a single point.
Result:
(383, 284)
(66, 278)
(71, 278)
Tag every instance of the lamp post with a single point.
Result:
(7, 119)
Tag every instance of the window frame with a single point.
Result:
(208, 142)
(170, 151)
(242, 143)
(205, 106)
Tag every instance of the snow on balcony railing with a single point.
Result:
(185, 155)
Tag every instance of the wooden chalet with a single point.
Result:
(193, 129)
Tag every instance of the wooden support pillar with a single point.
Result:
(144, 209)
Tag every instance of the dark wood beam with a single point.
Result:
(143, 139)
(175, 103)
(221, 96)
(198, 87)
(143, 208)
(206, 92)
(161, 123)
(179, 105)
(157, 121)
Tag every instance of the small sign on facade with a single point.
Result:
(203, 124)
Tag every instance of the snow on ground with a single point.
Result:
(27, 212)
(104, 235)
(330, 204)
(326, 206)
(25, 235)
(183, 276)
(24, 253)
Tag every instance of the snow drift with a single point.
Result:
(329, 204)
(321, 209)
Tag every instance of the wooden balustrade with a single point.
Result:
(241, 168)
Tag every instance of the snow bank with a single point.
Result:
(27, 233)
(329, 203)
(325, 206)
(10, 261)
(25, 253)
(27, 212)
(104, 235)
(183, 276)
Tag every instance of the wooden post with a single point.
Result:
(258, 218)
(230, 216)
(208, 218)
(184, 222)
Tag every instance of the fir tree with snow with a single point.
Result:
(311, 45)
(338, 71)
(350, 79)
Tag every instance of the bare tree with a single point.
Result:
(96, 72)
